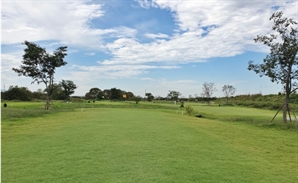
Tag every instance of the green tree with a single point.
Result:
(39, 94)
(57, 92)
(93, 93)
(228, 91)
(100, 95)
(68, 87)
(107, 93)
(41, 66)
(116, 94)
(281, 63)
(137, 99)
(174, 95)
(129, 95)
(149, 96)
(18, 93)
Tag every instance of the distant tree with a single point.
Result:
(87, 96)
(158, 97)
(229, 91)
(3, 95)
(41, 66)
(208, 90)
(100, 95)
(149, 96)
(281, 64)
(39, 94)
(56, 92)
(18, 93)
(129, 95)
(190, 98)
(174, 95)
(107, 93)
(116, 94)
(92, 94)
(137, 99)
(68, 87)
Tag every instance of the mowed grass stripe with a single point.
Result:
(135, 145)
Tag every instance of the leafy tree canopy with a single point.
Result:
(174, 95)
(41, 66)
(280, 65)
(68, 87)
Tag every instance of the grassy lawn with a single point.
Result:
(145, 145)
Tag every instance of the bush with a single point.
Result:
(137, 99)
(182, 104)
(189, 110)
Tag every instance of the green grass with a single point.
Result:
(258, 117)
(144, 145)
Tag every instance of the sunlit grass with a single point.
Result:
(143, 145)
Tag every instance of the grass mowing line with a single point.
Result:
(133, 145)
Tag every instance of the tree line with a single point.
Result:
(280, 65)
(60, 91)
(65, 88)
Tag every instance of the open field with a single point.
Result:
(124, 142)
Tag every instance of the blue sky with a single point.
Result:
(138, 45)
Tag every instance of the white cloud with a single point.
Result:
(206, 29)
(90, 54)
(66, 21)
(147, 79)
(9, 77)
(154, 36)
(119, 71)
(160, 87)
(8, 61)
(145, 3)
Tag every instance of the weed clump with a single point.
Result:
(189, 110)
(182, 104)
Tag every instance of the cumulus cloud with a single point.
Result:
(154, 36)
(119, 71)
(206, 29)
(66, 21)
(8, 61)
(162, 85)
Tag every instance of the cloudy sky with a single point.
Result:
(138, 45)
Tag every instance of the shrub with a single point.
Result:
(5, 105)
(137, 99)
(182, 104)
(189, 110)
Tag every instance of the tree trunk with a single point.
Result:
(48, 97)
(48, 102)
(285, 108)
